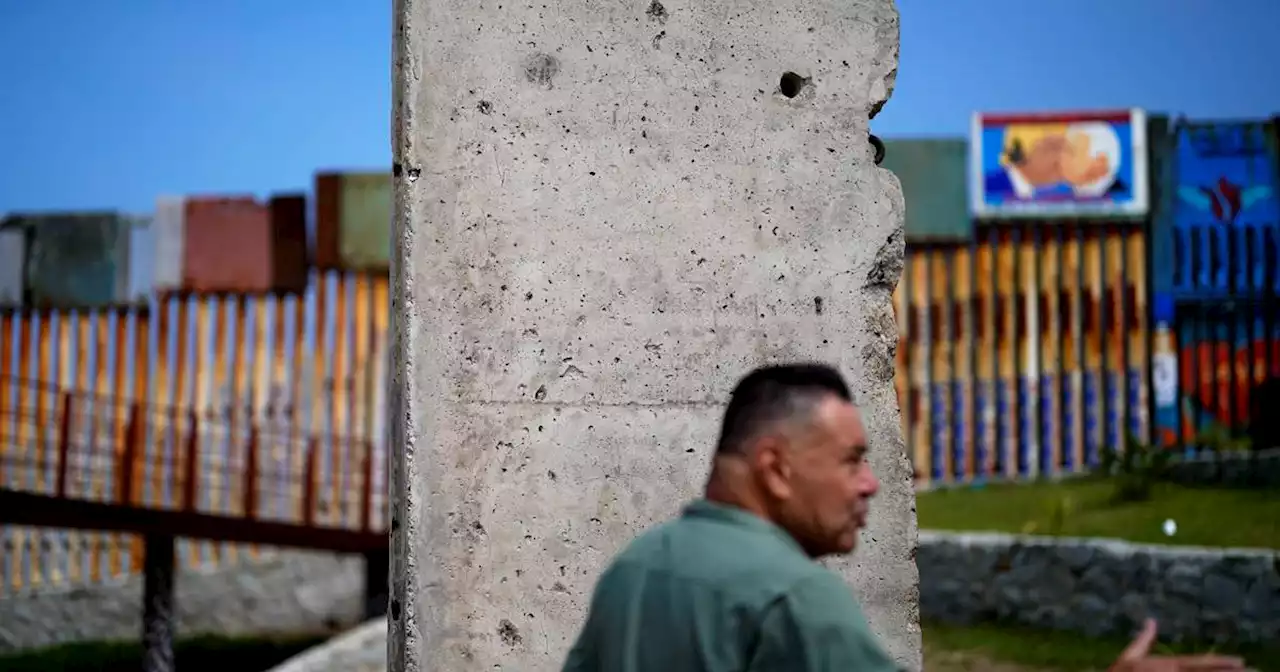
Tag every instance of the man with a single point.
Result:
(1030, 164)
(732, 584)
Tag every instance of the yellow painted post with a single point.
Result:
(259, 397)
(1047, 299)
(1028, 350)
(356, 396)
(25, 478)
(983, 321)
(143, 393)
(377, 415)
(299, 435)
(962, 345)
(6, 412)
(239, 424)
(326, 512)
(1095, 334)
(943, 375)
(1139, 362)
(921, 354)
(341, 467)
(1007, 350)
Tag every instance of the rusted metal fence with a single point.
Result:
(1023, 351)
(202, 390)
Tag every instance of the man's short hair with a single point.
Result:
(773, 394)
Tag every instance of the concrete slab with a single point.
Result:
(606, 213)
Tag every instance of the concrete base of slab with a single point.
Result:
(363, 649)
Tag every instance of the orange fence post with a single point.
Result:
(132, 439)
(190, 459)
(251, 474)
(366, 501)
(64, 444)
(309, 484)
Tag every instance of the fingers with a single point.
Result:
(1141, 644)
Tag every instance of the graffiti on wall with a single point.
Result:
(1225, 233)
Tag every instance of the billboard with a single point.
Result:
(1081, 164)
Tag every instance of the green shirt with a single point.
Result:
(721, 590)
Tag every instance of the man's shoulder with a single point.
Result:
(723, 558)
(823, 595)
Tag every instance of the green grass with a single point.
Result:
(1085, 508)
(948, 648)
(198, 654)
(1066, 652)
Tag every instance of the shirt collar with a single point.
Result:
(706, 509)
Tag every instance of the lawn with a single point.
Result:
(947, 649)
(197, 654)
(1085, 508)
(1016, 649)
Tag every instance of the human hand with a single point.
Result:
(1137, 657)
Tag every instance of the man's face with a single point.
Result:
(1080, 166)
(1043, 163)
(824, 485)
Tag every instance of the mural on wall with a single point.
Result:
(1024, 351)
(1225, 231)
(1078, 165)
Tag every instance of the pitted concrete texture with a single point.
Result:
(284, 592)
(607, 213)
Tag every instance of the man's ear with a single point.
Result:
(772, 466)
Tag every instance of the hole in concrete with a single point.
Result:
(792, 84)
(656, 11)
(878, 145)
(395, 610)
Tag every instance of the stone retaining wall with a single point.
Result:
(283, 592)
(1100, 587)
(1233, 470)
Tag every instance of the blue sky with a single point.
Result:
(107, 104)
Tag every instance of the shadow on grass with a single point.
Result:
(197, 654)
(1064, 651)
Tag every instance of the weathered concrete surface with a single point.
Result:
(283, 592)
(606, 214)
(1101, 587)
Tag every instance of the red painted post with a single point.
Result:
(251, 474)
(64, 444)
(366, 501)
(309, 484)
(129, 459)
(190, 459)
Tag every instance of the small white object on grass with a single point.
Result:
(1170, 527)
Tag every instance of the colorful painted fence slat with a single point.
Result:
(171, 404)
(1024, 351)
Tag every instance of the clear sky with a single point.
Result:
(107, 104)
